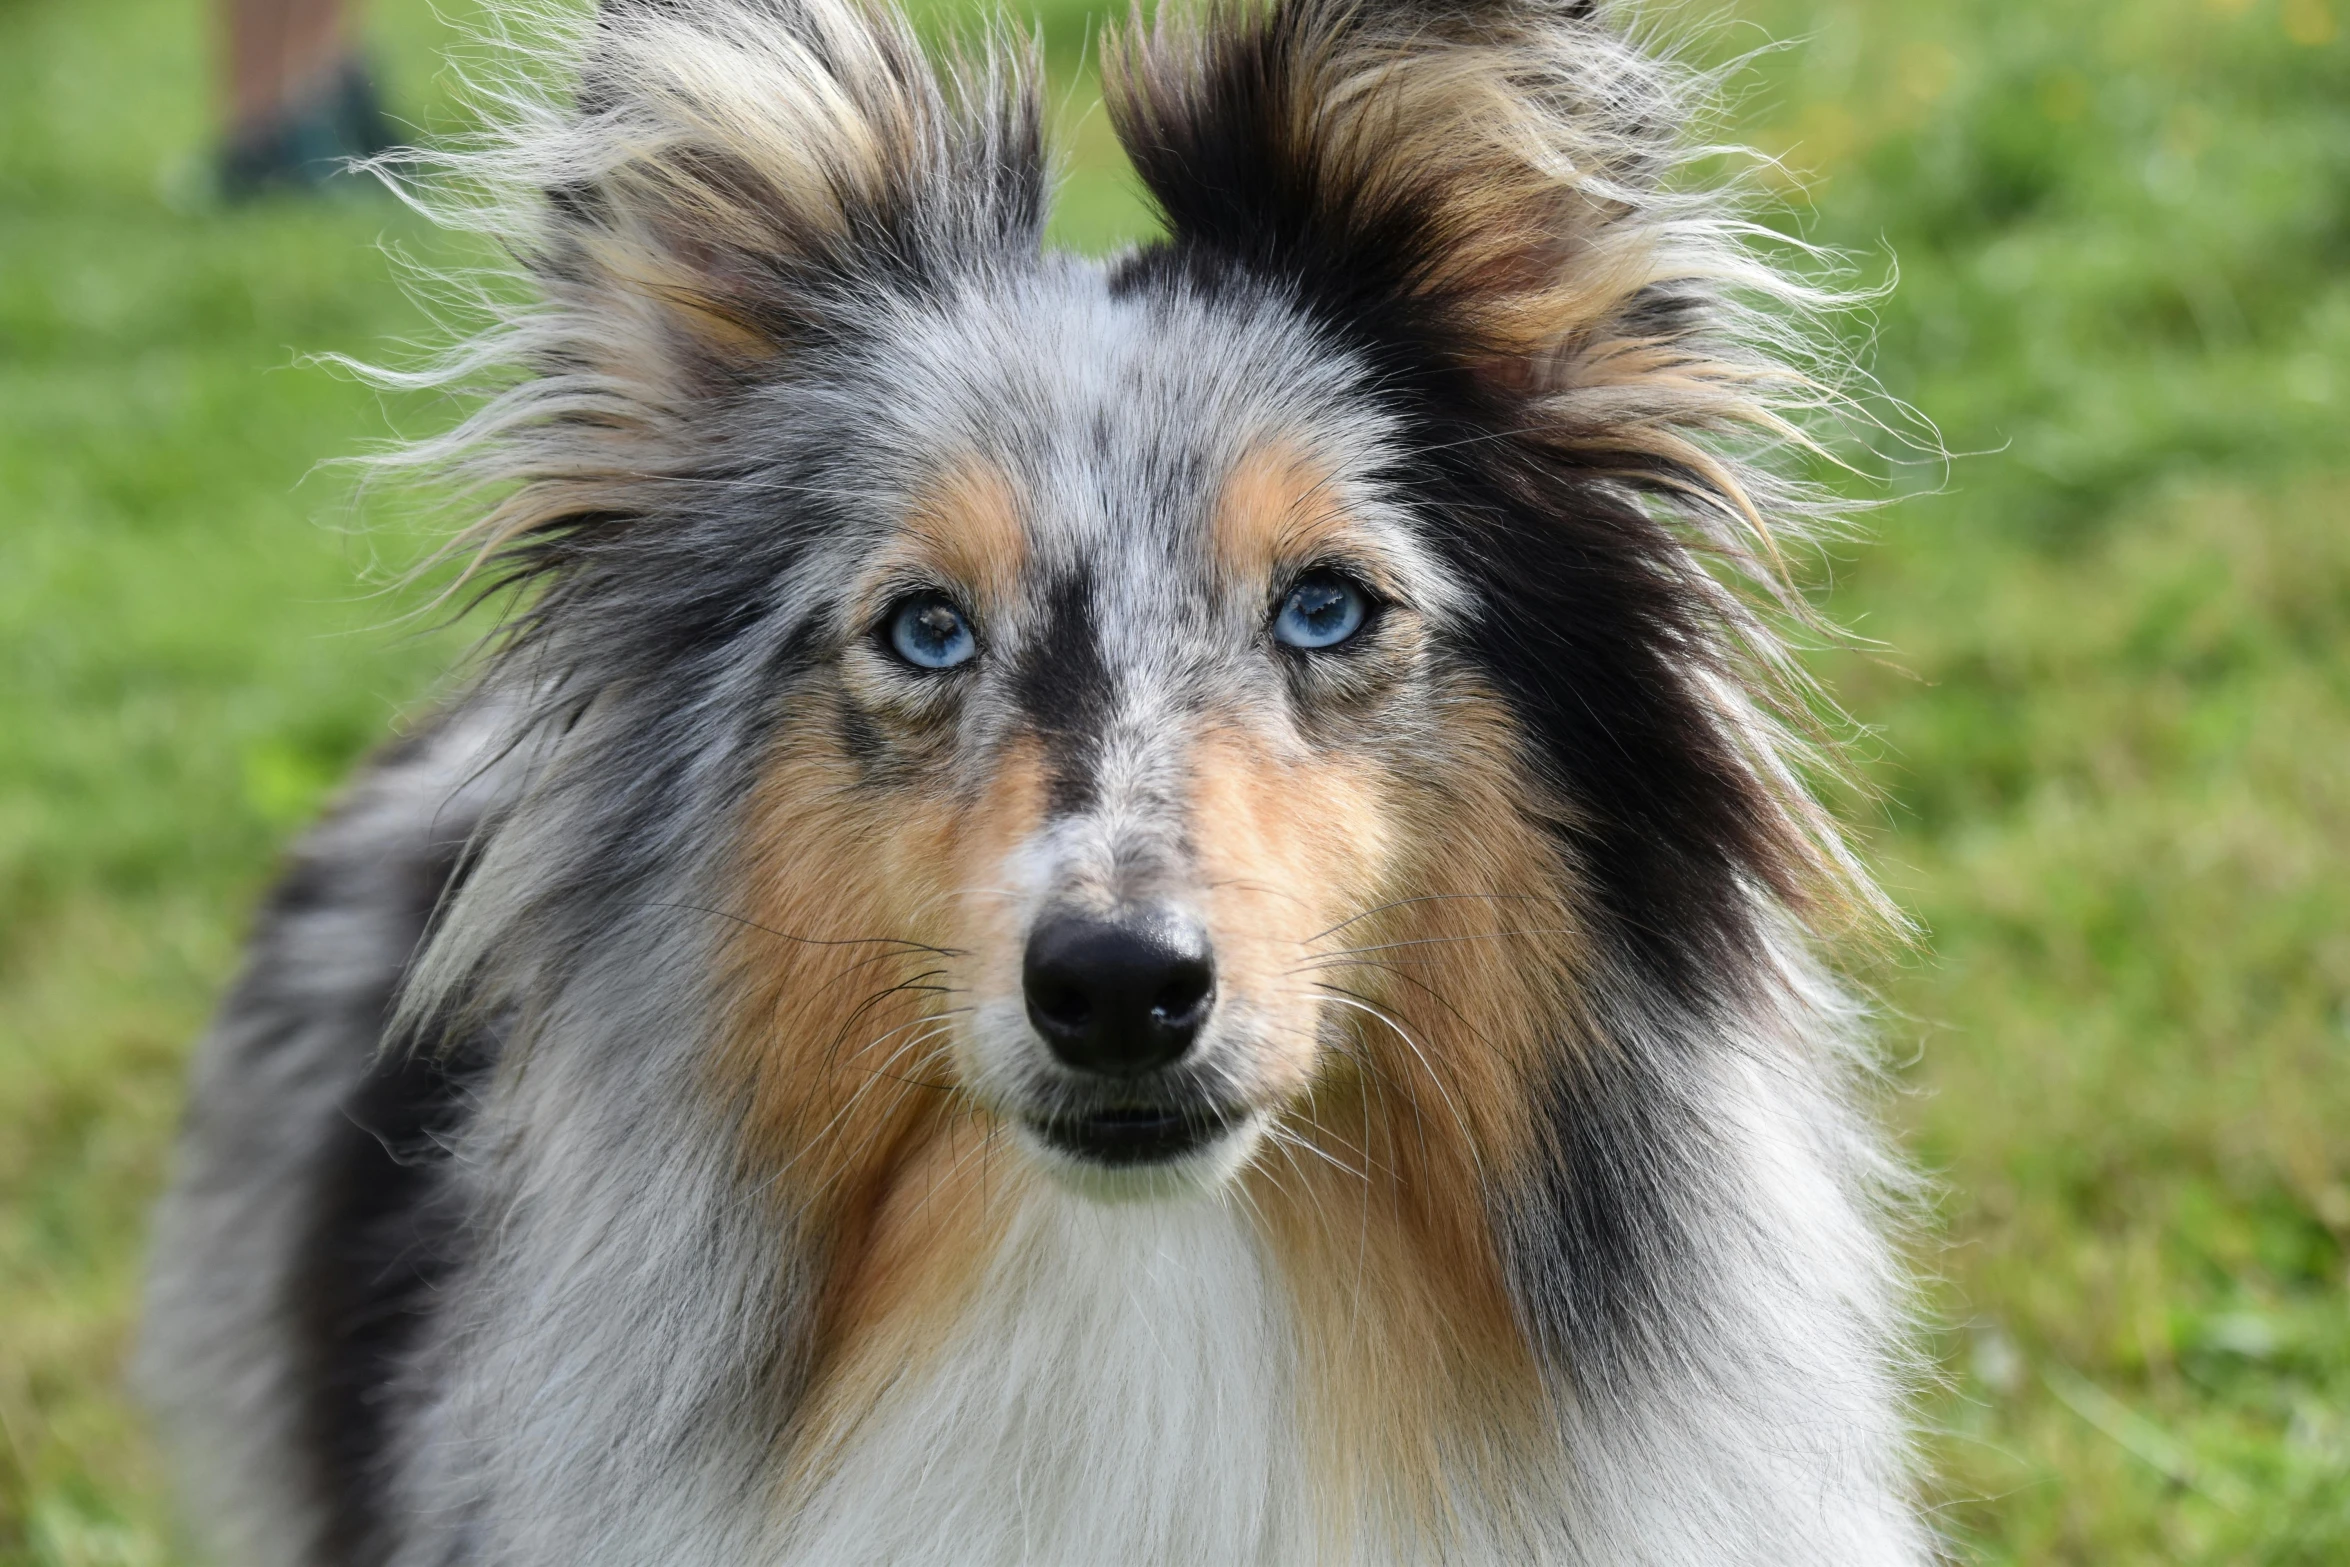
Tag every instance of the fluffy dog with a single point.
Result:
(1156, 911)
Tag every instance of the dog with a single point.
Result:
(1152, 911)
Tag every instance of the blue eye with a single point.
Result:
(1323, 610)
(928, 632)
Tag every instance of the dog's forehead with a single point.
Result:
(1116, 420)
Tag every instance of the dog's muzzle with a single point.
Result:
(1121, 1000)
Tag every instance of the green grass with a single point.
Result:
(2109, 717)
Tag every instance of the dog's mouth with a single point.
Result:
(1129, 1137)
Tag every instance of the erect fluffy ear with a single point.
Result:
(1481, 184)
(736, 169)
(733, 186)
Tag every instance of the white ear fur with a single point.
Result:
(731, 183)
(732, 161)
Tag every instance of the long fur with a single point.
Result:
(624, 1147)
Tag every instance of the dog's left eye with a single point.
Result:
(1322, 610)
(929, 632)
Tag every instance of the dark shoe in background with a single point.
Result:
(309, 144)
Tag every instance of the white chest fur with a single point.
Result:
(1121, 1391)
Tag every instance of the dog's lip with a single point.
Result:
(1138, 1134)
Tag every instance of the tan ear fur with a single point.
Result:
(1510, 168)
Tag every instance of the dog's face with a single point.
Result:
(1243, 688)
(1134, 706)
(1163, 642)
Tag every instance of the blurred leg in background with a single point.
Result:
(300, 99)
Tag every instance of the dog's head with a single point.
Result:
(1162, 704)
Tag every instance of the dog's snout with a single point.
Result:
(1119, 995)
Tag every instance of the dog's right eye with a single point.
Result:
(929, 632)
(1321, 611)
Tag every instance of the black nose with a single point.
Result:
(1120, 996)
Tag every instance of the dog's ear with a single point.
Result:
(734, 172)
(731, 187)
(1485, 180)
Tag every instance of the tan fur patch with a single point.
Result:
(1286, 846)
(857, 949)
(1430, 914)
(904, 1277)
(1277, 509)
(969, 526)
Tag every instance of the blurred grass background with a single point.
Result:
(2110, 717)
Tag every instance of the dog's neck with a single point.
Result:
(1115, 1383)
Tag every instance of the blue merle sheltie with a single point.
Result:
(1158, 911)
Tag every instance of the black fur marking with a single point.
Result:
(384, 1234)
(1602, 1237)
(1064, 688)
(861, 739)
(1590, 632)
